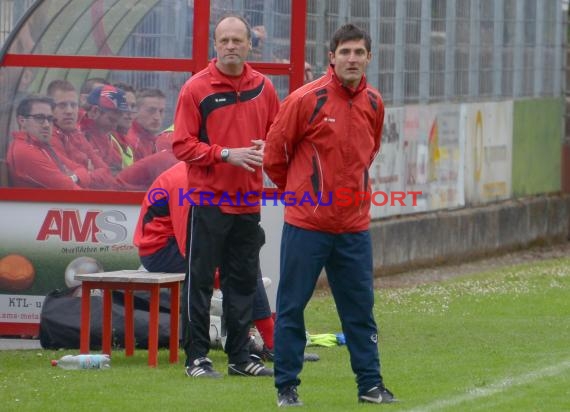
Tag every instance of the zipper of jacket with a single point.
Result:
(237, 89)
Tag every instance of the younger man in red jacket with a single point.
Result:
(324, 138)
(69, 141)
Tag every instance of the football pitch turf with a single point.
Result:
(494, 341)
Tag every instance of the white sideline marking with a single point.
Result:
(497, 387)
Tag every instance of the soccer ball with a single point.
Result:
(81, 265)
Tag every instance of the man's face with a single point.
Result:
(350, 60)
(151, 113)
(106, 120)
(38, 122)
(66, 110)
(126, 118)
(231, 43)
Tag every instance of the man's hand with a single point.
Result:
(247, 157)
(259, 144)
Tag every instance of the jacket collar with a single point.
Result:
(141, 133)
(25, 137)
(349, 90)
(59, 131)
(220, 78)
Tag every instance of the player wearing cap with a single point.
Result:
(106, 105)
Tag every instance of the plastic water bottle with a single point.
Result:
(216, 303)
(83, 362)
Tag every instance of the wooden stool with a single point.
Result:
(129, 281)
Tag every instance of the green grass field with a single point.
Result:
(496, 341)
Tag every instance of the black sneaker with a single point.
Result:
(253, 367)
(288, 397)
(265, 354)
(377, 394)
(202, 368)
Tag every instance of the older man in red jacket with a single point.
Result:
(221, 120)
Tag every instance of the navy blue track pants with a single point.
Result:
(347, 259)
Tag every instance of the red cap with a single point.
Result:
(109, 98)
(54, 363)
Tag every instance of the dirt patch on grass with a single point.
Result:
(440, 273)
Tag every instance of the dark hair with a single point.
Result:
(349, 32)
(25, 105)
(125, 87)
(58, 84)
(235, 16)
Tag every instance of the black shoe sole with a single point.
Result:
(206, 375)
(239, 372)
(384, 400)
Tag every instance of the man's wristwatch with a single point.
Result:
(225, 153)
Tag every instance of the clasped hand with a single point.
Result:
(248, 157)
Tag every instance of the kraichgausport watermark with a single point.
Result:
(342, 197)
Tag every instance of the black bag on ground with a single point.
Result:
(60, 320)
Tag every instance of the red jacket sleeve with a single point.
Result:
(81, 172)
(186, 145)
(86, 147)
(141, 174)
(283, 136)
(31, 166)
(102, 178)
(98, 178)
